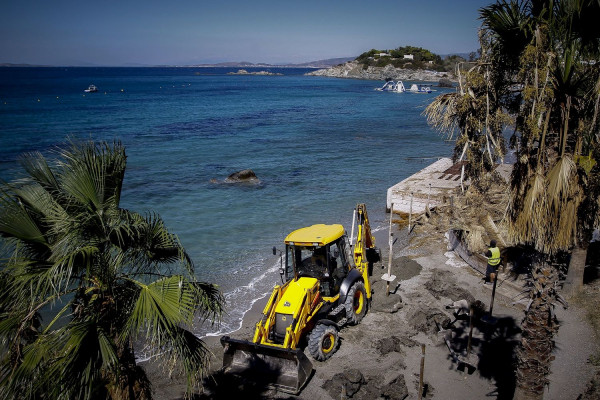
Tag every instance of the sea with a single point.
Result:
(318, 145)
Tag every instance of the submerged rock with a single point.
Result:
(264, 73)
(244, 176)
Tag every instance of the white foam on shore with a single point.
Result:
(225, 332)
(242, 299)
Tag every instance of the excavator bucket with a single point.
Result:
(284, 369)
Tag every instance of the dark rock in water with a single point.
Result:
(244, 176)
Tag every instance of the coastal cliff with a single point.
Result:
(356, 70)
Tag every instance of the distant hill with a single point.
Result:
(330, 62)
(20, 65)
(311, 64)
(462, 55)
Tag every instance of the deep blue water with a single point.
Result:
(319, 146)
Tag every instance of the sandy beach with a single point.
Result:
(381, 357)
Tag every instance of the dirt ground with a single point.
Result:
(381, 357)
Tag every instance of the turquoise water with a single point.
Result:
(318, 145)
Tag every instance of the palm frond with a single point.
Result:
(530, 223)
(93, 173)
(16, 222)
(189, 353)
(161, 306)
(560, 179)
(37, 167)
(442, 113)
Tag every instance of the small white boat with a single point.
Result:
(418, 88)
(91, 89)
(391, 86)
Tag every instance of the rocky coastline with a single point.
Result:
(355, 70)
(264, 73)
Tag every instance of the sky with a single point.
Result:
(184, 32)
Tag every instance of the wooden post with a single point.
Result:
(422, 371)
(428, 194)
(391, 235)
(410, 213)
(470, 331)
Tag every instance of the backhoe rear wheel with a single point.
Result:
(323, 341)
(356, 303)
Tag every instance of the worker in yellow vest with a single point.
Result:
(493, 256)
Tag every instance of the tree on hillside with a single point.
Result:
(102, 277)
(542, 68)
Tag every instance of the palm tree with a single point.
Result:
(541, 60)
(103, 278)
(554, 199)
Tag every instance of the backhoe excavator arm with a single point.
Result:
(364, 242)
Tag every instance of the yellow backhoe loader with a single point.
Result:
(325, 287)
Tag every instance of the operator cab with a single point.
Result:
(321, 252)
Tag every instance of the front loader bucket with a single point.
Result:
(285, 369)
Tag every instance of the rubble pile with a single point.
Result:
(480, 213)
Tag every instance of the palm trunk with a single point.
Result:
(538, 329)
(130, 382)
(574, 281)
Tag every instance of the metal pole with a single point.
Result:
(422, 371)
(493, 294)
(387, 286)
(353, 222)
(470, 331)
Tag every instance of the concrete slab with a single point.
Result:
(432, 185)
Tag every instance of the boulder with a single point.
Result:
(244, 176)
(445, 82)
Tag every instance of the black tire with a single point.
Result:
(356, 303)
(323, 341)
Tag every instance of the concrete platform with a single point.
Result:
(433, 184)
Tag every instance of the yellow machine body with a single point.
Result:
(320, 265)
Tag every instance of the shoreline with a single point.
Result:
(354, 70)
(387, 343)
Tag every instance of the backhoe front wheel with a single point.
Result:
(356, 303)
(323, 341)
